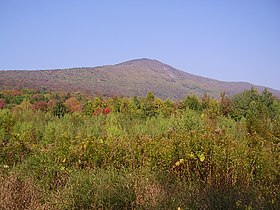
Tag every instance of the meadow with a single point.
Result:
(69, 151)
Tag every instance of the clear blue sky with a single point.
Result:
(231, 40)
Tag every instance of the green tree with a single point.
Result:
(96, 103)
(147, 105)
(137, 102)
(241, 103)
(213, 109)
(258, 109)
(117, 104)
(60, 109)
(88, 108)
(267, 100)
(168, 107)
(191, 102)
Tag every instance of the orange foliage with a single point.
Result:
(16, 92)
(51, 103)
(97, 112)
(73, 104)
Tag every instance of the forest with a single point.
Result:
(70, 151)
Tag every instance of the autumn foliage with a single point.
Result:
(73, 105)
(2, 103)
(67, 151)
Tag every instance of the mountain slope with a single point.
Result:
(131, 78)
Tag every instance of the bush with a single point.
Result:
(143, 154)
(16, 193)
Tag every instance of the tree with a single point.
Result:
(225, 104)
(267, 100)
(60, 109)
(18, 99)
(73, 105)
(106, 111)
(205, 100)
(241, 103)
(147, 105)
(168, 107)
(88, 108)
(137, 102)
(158, 105)
(37, 97)
(2, 103)
(213, 109)
(24, 105)
(97, 105)
(258, 109)
(191, 102)
(124, 105)
(40, 105)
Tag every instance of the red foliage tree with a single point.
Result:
(106, 111)
(2, 103)
(40, 105)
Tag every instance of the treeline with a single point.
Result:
(68, 151)
(61, 103)
(261, 110)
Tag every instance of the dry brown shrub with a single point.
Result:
(18, 194)
(148, 193)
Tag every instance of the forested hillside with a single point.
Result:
(131, 78)
(69, 151)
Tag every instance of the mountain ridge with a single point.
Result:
(130, 78)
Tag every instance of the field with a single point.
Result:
(69, 151)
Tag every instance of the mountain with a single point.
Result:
(130, 78)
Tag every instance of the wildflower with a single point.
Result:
(5, 166)
(177, 163)
(191, 155)
(201, 157)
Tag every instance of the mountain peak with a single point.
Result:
(140, 60)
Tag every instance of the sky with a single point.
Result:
(229, 40)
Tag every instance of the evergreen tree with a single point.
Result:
(60, 109)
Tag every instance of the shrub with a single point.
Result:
(16, 193)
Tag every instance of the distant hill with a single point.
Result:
(131, 78)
